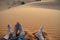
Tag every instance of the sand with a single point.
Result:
(7, 4)
(31, 19)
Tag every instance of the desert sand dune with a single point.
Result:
(31, 19)
(7, 4)
(46, 4)
(32, 16)
(50, 4)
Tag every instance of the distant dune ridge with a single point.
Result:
(50, 4)
(6, 4)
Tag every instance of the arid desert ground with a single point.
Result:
(32, 18)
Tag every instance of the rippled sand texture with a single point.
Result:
(31, 19)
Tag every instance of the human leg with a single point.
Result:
(6, 37)
(39, 34)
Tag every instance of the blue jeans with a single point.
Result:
(4, 39)
(20, 37)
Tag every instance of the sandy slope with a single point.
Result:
(32, 15)
(31, 19)
(46, 4)
(7, 4)
(50, 4)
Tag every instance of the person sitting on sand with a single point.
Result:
(15, 37)
(21, 36)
